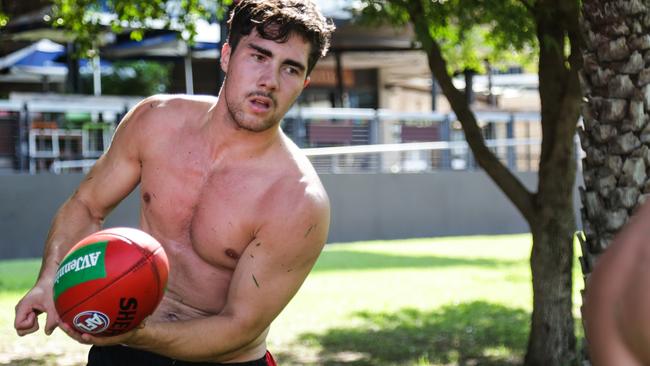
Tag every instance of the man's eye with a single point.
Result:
(291, 70)
(258, 57)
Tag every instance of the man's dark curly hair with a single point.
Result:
(277, 20)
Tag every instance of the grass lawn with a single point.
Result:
(443, 301)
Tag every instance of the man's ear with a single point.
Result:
(225, 56)
(307, 81)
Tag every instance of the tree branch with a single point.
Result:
(505, 180)
(572, 19)
(560, 88)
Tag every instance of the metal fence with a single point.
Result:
(67, 136)
(366, 140)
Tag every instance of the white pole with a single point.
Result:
(189, 82)
(97, 75)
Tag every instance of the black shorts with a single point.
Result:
(127, 356)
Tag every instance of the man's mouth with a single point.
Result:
(261, 103)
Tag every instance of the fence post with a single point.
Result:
(21, 139)
(471, 162)
(445, 135)
(373, 138)
(298, 132)
(510, 134)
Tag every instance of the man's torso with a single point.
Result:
(205, 204)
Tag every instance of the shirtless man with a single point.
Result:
(238, 208)
(617, 303)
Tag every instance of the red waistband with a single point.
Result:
(269, 359)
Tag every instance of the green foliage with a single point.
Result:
(87, 20)
(132, 78)
(468, 31)
(4, 18)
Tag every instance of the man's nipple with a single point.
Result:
(146, 197)
(232, 254)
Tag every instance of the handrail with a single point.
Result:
(413, 146)
(61, 106)
(11, 106)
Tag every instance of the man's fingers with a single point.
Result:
(51, 322)
(26, 324)
(23, 332)
(79, 337)
(23, 318)
(24, 314)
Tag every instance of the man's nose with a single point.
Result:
(268, 79)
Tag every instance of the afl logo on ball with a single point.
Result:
(91, 321)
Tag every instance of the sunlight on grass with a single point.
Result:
(387, 277)
(443, 301)
(56, 350)
(18, 275)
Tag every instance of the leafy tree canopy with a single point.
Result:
(4, 19)
(468, 31)
(132, 78)
(86, 20)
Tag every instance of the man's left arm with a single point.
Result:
(269, 273)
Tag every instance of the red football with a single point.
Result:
(110, 281)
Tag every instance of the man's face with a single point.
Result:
(263, 79)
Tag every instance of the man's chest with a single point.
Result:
(215, 212)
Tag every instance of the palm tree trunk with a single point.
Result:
(616, 133)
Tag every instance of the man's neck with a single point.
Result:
(221, 129)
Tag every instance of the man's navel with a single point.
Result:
(171, 316)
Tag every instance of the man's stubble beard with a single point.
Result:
(239, 117)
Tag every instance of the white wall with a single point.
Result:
(364, 207)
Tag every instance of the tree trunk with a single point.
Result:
(552, 340)
(549, 212)
(616, 133)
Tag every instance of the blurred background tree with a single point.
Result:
(132, 78)
(4, 19)
(87, 20)
(548, 30)
(91, 24)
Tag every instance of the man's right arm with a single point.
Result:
(115, 174)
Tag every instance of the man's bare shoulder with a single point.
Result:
(173, 105)
(162, 113)
(161, 118)
(301, 185)
(298, 215)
